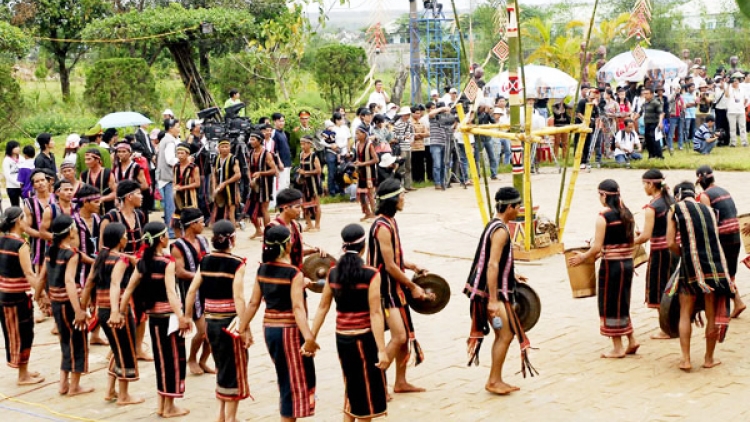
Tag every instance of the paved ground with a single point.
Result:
(574, 383)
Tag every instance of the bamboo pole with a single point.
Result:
(574, 176)
(528, 204)
(472, 167)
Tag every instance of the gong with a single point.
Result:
(527, 306)
(669, 308)
(316, 268)
(434, 286)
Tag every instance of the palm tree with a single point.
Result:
(559, 51)
(610, 31)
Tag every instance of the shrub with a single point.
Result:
(11, 101)
(243, 72)
(121, 85)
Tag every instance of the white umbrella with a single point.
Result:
(547, 82)
(659, 65)
(123, 119)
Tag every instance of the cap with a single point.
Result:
(304, 113)
(154, 134)
(498, 110)
(738, 75)
(386, 160)
(696, 66)
(404, 111)
(453, 91)
(192, 122)
(391, 106)
(434, 93)
(72, 141)
(96, 130)
(168, 111)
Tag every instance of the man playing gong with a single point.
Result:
(491, 288)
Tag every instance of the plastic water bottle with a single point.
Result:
(497, 323)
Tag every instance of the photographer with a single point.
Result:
(705, 138)
(441, 130)
(627, 144)
(483, 118)
(705, 98)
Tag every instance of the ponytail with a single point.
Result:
(61, 227)
(9, 218)
(656, 178)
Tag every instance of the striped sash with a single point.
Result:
(281, 319)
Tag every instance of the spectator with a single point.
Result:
(653, 116)
(109, 139)
(10, 171)
(425, 121)
(383, 135)
(379, 96)
(418, 153)
(46, 158)
(627, 143)
(721, 105)
(25, 167)
(441, 124)
(503, 145)
(72, 143)
(689, 96)
(336, 150)
(484, 118)
(737, 101)
(676, 111)
(234, 99)
(388, 167)
(391, 110)
(561, 117)
(705, 138)
(403, 133)
(164, 169)
(282, 146)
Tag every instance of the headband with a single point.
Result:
(131, 192)
(68, 229)
(281, 242)
(11, 221)
(123, 145)
(67, 165)
(184, 148)
(220, 237)
(653, 180)
(224, 141)
(509, 201)
(391, 195)
(604, 192)
(355, 242)
(149, 238)
(187, 223)
(90, 198)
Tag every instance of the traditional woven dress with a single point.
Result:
(229, 195)
(185, 198)
(100, 181)
(134, 233)
(295, 373)
(615, 278)
(262, 191)
(729, 226)
(368, 175)
(123, 364)
(74, 343)
(129, 172)
(311, 187)
(661, 261)
(391, 292)
(168, 349)
(192, 258)
(295, 229)
(230, 356)
(16, 309)
(38, 246)
(365, 389)
(88, 239)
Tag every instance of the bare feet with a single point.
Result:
(110, 396)
(685, 365)
(632, 349)
(145, 356)
(80, 390)
(125, 401)
(174, 412)
(31, 379)
(661, 335)
(64, 388)
(501, 388)
(407, 388)
(737, 311)
(614, 354)
(98, 340)
(257, 235)
(195, 369)
(207, 369)
(710, 363)
(54, 331)
(388, 397)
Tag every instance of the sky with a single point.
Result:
(367, 5)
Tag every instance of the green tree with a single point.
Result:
(560, 51)
(121, 85)
(11, 101)
(59, 23)
(13, 40)
(338, 69)
(244, 72)
(179, 29)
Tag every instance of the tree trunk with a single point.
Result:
(64, 72)
(205, 64)
(280, 80)
(399, 85)
(191, 76)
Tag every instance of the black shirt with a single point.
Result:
(43, 161)
(651, 111)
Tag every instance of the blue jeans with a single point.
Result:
(503, 150)
(463, 162)
(332, 163)
(689, 130)
(675, 125)
(438, 169)
(623, 158)
(487, 144)
(167, 202)
(706, 147)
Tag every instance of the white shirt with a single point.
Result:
(627, 142)
(425, 120)
(721, 98)
(736, 100)
(10, 171)
(343, 134)
(357, 122)
(377, 98)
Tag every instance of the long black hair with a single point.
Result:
(705, 176)
(9, 218)
(152, 233)
(656, 178)
(10, 146)
(684, 190)
(223, 233)
(113, 234)
(274, 242)
(61, 227)
(611, 191)
(349, 271)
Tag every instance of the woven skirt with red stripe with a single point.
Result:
(74, 344)
(295, 374)
(615, 282)
(364, 383)
(169, 357)
(230, 358)
(661, 265)
(17, 319)
(123, 364)
(731, 245)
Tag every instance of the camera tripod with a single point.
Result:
(453, 175)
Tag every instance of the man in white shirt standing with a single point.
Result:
(164, 169)
(737, 101)
(379, 97)
(627, 144)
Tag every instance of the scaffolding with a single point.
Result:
(435, 56)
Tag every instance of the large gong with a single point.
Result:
(527, 305)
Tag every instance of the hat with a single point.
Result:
(191, 123)
(498, 110)
(696, 66)
(387, 160)
(453, 91)
(434, 93)
(702, 84)
(738, 75)
(404, 111)
(531, 95)
(94, 131)
(123, 145)
(391, 106)
(154, 134)
(72, 141)
(328, 124)
(168, 111)
(183, 146)
(304, 113)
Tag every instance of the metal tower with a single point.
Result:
(435, 53)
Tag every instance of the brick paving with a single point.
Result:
(574, 383)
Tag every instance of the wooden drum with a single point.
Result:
(583, 276)
(744, 219)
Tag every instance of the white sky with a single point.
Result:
(367, 5)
